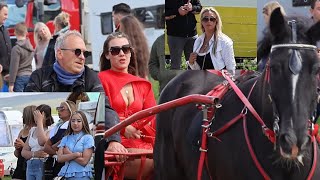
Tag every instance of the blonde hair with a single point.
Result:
(218, 27)
(270, 6)
(62, 20)
(37, 28)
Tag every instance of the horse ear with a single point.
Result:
(314, 33)
(277, 23)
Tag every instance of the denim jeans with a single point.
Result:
(176, 46)
(21, 83)
(4, 86)
(34, 169)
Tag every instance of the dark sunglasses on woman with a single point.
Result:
(60, 108)
(115, 50)
(78, 52)
(207, 19)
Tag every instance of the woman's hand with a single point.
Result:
(40, 154)
(192, 58)
(18, 144)
(118, 147)
(38, 117)
(66, 150)
(132, 133)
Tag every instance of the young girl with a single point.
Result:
(76, 149)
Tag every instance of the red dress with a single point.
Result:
(112, 83)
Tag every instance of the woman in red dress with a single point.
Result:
(128, 94)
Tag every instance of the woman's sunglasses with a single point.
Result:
(78, 52)
(60, 108)
(115, 50)
(207, 19)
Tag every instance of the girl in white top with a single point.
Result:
(33, 148)
(213, 49)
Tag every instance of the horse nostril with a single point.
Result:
(288, 144)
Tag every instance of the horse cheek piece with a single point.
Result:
(284, 97)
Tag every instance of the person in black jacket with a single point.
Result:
(181, 28)
(68, 73)
(5, 43)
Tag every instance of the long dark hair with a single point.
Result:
(133, 28)
(47, 113)
(105, 63)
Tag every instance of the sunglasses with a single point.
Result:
(207, 19)
(78, 52)
(115, 50)
(60, 108)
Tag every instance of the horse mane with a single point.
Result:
(303, 25)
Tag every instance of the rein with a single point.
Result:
(270, 134)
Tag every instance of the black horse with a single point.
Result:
(289, 95)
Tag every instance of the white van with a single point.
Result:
(10, 125)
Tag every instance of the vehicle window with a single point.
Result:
(100, 113)
(50, 12)
(4, 134)
(106, 23)
(15, 14)
(15, 129)
(296, 3)
(151, 17)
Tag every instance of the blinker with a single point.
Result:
(295, 64)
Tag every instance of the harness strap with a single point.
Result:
(143, 162)
(315, 155)
(253, 155)
(218, 91)
(247, 104)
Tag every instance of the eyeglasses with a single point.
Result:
(78, 52)
(60, 108)
(115, 50)
(207, 19)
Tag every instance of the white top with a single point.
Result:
(224, 56)
(33, 141)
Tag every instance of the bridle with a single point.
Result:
(295, 66)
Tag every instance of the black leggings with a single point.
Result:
(99, 159)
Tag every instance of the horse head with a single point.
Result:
(292, 74)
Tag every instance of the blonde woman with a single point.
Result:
(213, 49)
(269, 7)
(65, 111)
(42, 37)
(61, 25)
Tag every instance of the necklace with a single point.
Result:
(127, 92)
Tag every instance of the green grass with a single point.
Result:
(155, 87)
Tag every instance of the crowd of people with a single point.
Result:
(46, 150)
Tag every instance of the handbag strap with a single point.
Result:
(72, 150)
